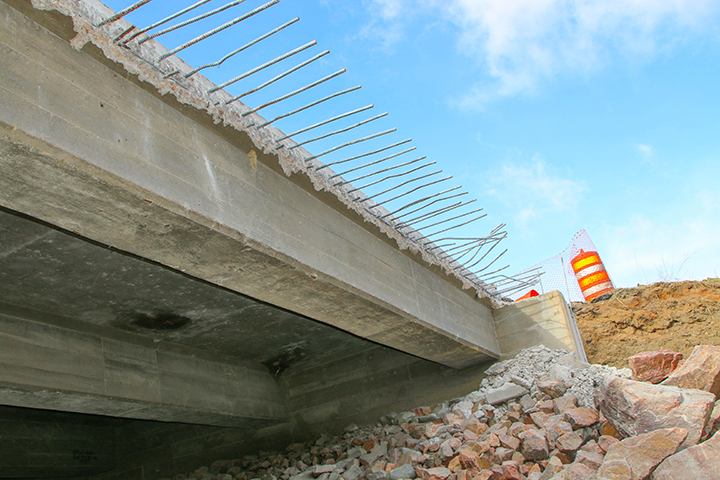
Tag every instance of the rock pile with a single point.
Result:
(542, 415)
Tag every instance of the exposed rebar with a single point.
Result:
(327, 165)
(398, 175)
(263, 66)
(158, 23)
(372, 174)
(278, 77)
(122, 13)
(325, 122)
(353, 142)
(192, 20)
(294, 92)
(309, 105)
(217, 30)
(342, 130)
(369, 164)
(412, 191)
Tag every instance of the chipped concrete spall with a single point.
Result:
(542, 415)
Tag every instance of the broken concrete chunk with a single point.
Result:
(507, 392)
(553, 387)
(406, 471)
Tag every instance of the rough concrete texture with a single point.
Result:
(150, 176)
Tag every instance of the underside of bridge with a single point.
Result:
(166, 301)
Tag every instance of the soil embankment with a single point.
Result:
(676, 316)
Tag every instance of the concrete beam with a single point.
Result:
(45, 363)
(89, 148)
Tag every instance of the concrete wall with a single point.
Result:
(362, 388)
(545, 320)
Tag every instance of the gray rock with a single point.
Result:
(306, 475)
(497, 368)
(352, 473)
(428, 418)
(377, 475)
(405, 417)
(465, 408)
(355, 452)
(403, 472)
(507, 392)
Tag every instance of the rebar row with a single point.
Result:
(403, 196)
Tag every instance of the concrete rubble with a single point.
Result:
(540, 416)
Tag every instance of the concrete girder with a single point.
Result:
(104, 155)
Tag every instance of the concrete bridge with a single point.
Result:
(168, 277)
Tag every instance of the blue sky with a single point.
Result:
(557, 115)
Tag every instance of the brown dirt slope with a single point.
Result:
(677, 316)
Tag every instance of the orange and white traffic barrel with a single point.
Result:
(591, 275)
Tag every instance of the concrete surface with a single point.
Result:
(48, 364)
(99, 153)
(546, 319)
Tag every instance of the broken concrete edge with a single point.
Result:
(86, 14)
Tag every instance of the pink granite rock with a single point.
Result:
(699, 462)
(553, 387)
(701, 371)
(436, 473)
(576, 471)
(591, 460)
(581, 417)
(654, 367)
(534, 445)
(713, 424)
(564, 403)
(605, 441)
(637, 457)
(568, 442)
(634, 408)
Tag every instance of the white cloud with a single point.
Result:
(521, 43)
(646, 250)
(389, 19)
(646, 151)
(532, 190)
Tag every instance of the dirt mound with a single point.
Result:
(677, 316)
